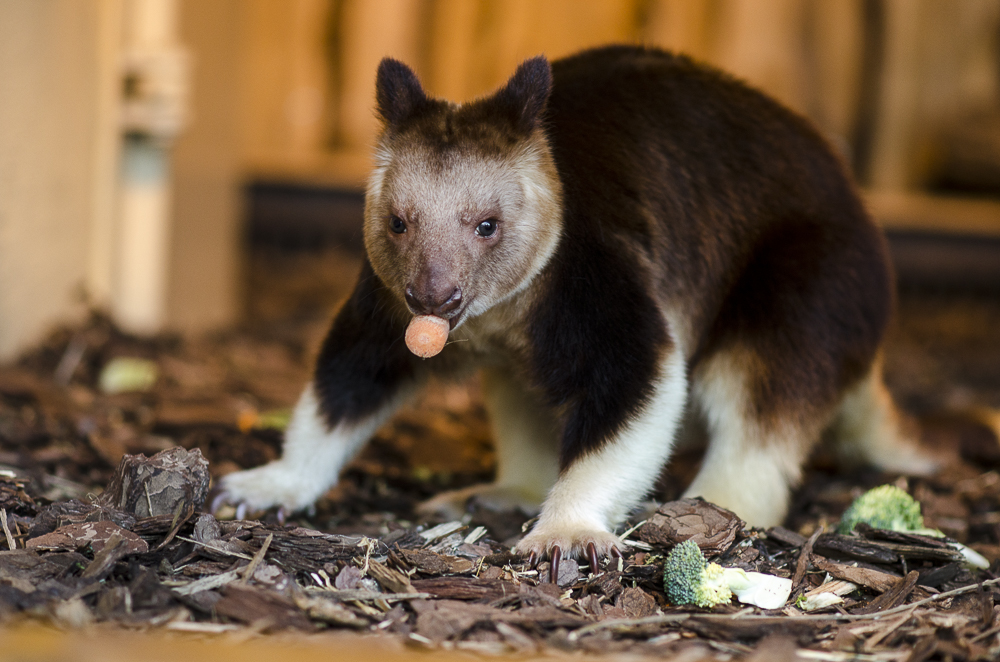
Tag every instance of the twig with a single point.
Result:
(625, 535)
(204, 628)
(626, 623)
(363, 595)
(881, 614)
(257, 558)
(149, 501)
(220, 550)
(804, 554)
(879, 637)
(983, 635)
(11, 543)
(106, 559)
(206, 583)
(70, 359)
(178, 521)
(843, 656)
(933, 598)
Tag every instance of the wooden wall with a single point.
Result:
(311, 65)
(53, 166)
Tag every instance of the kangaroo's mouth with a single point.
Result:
(458, 316)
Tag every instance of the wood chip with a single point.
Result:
(802, 564)
(893, 597)
(636, 603)
(391, 580)
(88, 534)
(207, 583)
(713, 528)
(171, 481)
(266, 609)
(464, 588)
(876, 580)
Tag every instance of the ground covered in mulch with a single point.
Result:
(89, 536)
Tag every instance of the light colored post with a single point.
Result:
(153, 113)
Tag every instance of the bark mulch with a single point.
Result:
(102, 512)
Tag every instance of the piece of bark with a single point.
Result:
(569, 572)
(74, 512)
(738, 629)
(938, 576)
(608, 584)
(876, 580)
(438, 620)
(543, 594)
(636, 603)
(805, 557)
(893, 597)
(713, 528)
(430, 563)
(115, 548)
(93, 534)
(899, 537)
(832, 544)
(543, 616)
(591, 604)
(255, 606)
(319, 608)
(154, 526)
(148, 593)
(785, 536)
(391, 580)
(14, 499)
(464, 588)
(306, 550)
(172, 481)
(348, 579)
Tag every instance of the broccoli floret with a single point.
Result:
(691, 580)
(885, 507)
(888, 507)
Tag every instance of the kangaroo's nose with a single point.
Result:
(440, 303)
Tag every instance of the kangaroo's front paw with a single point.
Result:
(455, 503)
(555, 540)
(272, 485)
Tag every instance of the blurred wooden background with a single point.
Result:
(883, 78)
(282, 91)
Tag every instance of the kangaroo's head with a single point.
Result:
(463, 207)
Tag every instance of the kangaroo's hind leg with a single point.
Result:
(798, 331)
(869, 429)
(752, 462)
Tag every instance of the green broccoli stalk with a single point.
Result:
(888, 507)
(689, 579)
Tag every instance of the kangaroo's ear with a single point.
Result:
(522, 100)
(397, 91)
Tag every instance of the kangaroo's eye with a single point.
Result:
(396, 224)
(487, 228)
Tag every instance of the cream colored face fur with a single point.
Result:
(442, 195)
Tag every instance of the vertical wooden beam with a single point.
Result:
(371, 31)
(48, 82)
(204, 267)
(452, 46)
(305, 98)
(761, 42)
(833, 45)
(107, 154)
(897, 116)
(683, 26)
